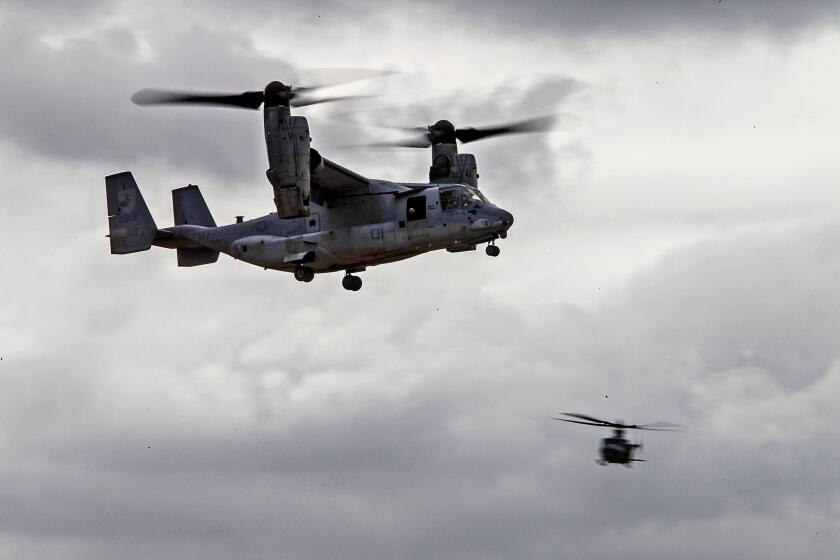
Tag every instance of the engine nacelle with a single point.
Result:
(467, 169)
(450, 166)
(287, 144)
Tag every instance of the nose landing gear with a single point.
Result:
(351, 283)
(304, 274)
(492, 250)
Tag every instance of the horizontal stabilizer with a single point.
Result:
(197, 256)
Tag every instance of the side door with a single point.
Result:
(416, 220)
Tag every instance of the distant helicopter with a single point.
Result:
(618, 449)
(328, 218)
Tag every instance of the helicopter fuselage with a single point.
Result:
(617, 450)
(328, 217)
(394, 221)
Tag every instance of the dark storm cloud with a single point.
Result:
(573, 18)
(576, 18)
(70, 87)
(72, 101)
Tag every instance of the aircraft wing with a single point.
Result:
(334, 179)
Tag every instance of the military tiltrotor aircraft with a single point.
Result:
(328, 218)
(618, 449)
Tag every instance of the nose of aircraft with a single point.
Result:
(507, 218)
(493, 218)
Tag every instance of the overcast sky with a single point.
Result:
(675, 257)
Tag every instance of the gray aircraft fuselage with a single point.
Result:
(328, 218)
(393, 221)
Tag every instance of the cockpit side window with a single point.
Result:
(460, 197)
(471, 196)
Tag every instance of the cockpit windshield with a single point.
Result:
(460, 197)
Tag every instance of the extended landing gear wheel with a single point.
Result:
(352, 283)
(492, 251)
(304, 274)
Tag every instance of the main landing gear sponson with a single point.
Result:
(352, 283)
(304, 274)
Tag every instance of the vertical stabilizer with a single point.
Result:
(287, 143)
(190, 209)
(130, 224)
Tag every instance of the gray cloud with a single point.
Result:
(72, 102)
(94, 121)
(575, 18)
(536, 96)
(429, 446)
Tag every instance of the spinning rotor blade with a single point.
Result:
(316, 101)
(275, 93)
(389, 117)
(246, 100)
(597, 421)
(409, 143)
(592, 421)
(659, 427)
(319, 78)
(578, 422)
(541, 124)
(444, 132)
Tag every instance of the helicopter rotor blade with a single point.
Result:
(295, 102)
(578, 422)
(444, 132)
(592, 421)
(388, 117)
(320, 78)
(540, 124)
(245, 100)
(660, 427)
(598, 421)
(407, 143)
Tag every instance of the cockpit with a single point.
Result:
(453, 198)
